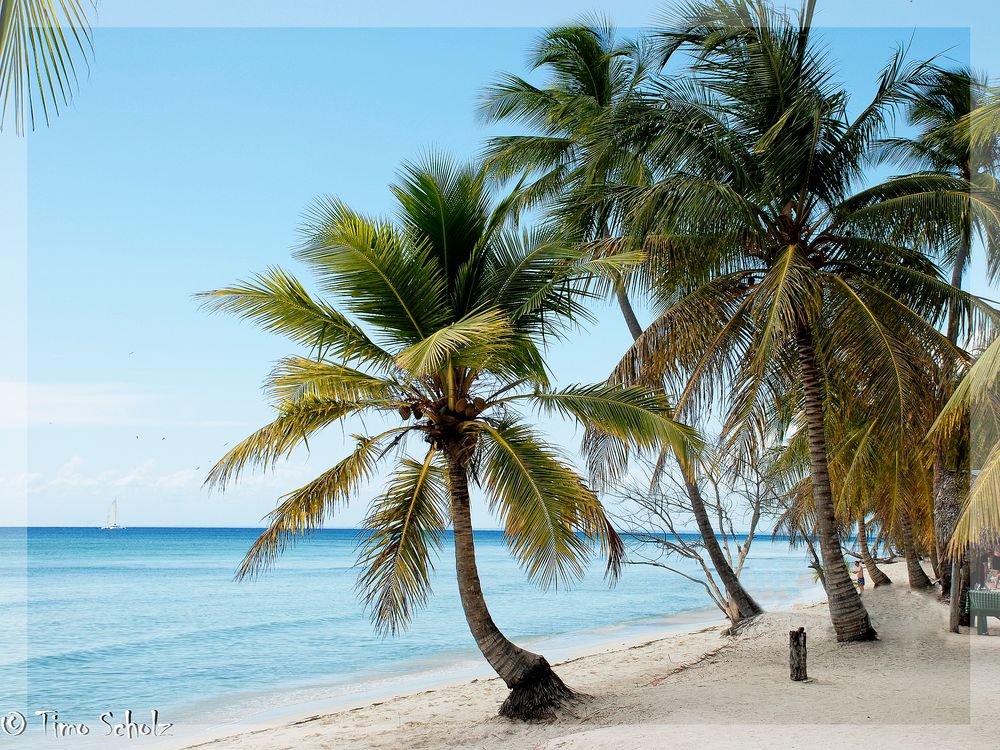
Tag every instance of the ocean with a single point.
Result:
(151, 618)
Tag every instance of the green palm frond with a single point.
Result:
(404, 528)
(296, 420)
(549, 515)
(979, 523)
(302, 511)
(640, 416)
(295, 377)
(975, 389)
(376, 272)
(40, 43)
(474, 341)
(278, 302)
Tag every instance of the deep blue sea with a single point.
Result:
(93, 620)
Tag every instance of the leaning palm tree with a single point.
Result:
(39, 40)
(450, 307)
(783, 264)
(576, 158)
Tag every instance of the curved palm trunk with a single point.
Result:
(914, 570)
(535, 690)
(628, 312)
(743, 605)
(878, 577)
(850, 618)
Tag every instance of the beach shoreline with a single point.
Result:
(470, 670)
(698, 686)
(465, 667)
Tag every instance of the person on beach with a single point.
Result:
(859, 572)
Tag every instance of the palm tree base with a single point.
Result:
(866, 633)
(538, 695)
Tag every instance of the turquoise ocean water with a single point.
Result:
(96, 621)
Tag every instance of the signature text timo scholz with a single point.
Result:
(123, 725)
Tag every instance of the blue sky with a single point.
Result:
(185, 163)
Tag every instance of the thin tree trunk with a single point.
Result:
(914, 570)
(745, 606)
(878, 577)
(944, 520)
(628, 312)
(535, 690)
(954, 486)
(848, 613)
(961, 578)
(816, 564)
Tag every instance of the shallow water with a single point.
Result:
(152, 618)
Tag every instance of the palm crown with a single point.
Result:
(765, 230)
(459, 306)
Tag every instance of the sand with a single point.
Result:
(918, 686)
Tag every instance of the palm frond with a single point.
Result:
(296, 420)
(302, 511)
(296, 377)
(641, 416)
(473, 341)
(378, 274)
(404, 528)
(549, 516)
(278, 302)
(39, 40)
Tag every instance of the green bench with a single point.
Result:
(980, 605)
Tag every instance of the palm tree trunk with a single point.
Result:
(850, 618)
(944, 519)
(878, 577)
(948, 495)
(535, 690)
(628, 312)
(743, 603)
(915, 571)
(961, 579)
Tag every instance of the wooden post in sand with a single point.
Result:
(797, 654)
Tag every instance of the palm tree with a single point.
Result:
(38, 42)
(784, 266)
(575, 157)
(940, 110)
(458, 304)
(592, 78)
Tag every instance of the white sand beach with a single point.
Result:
(917, 687)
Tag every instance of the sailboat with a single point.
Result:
(112, 523)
